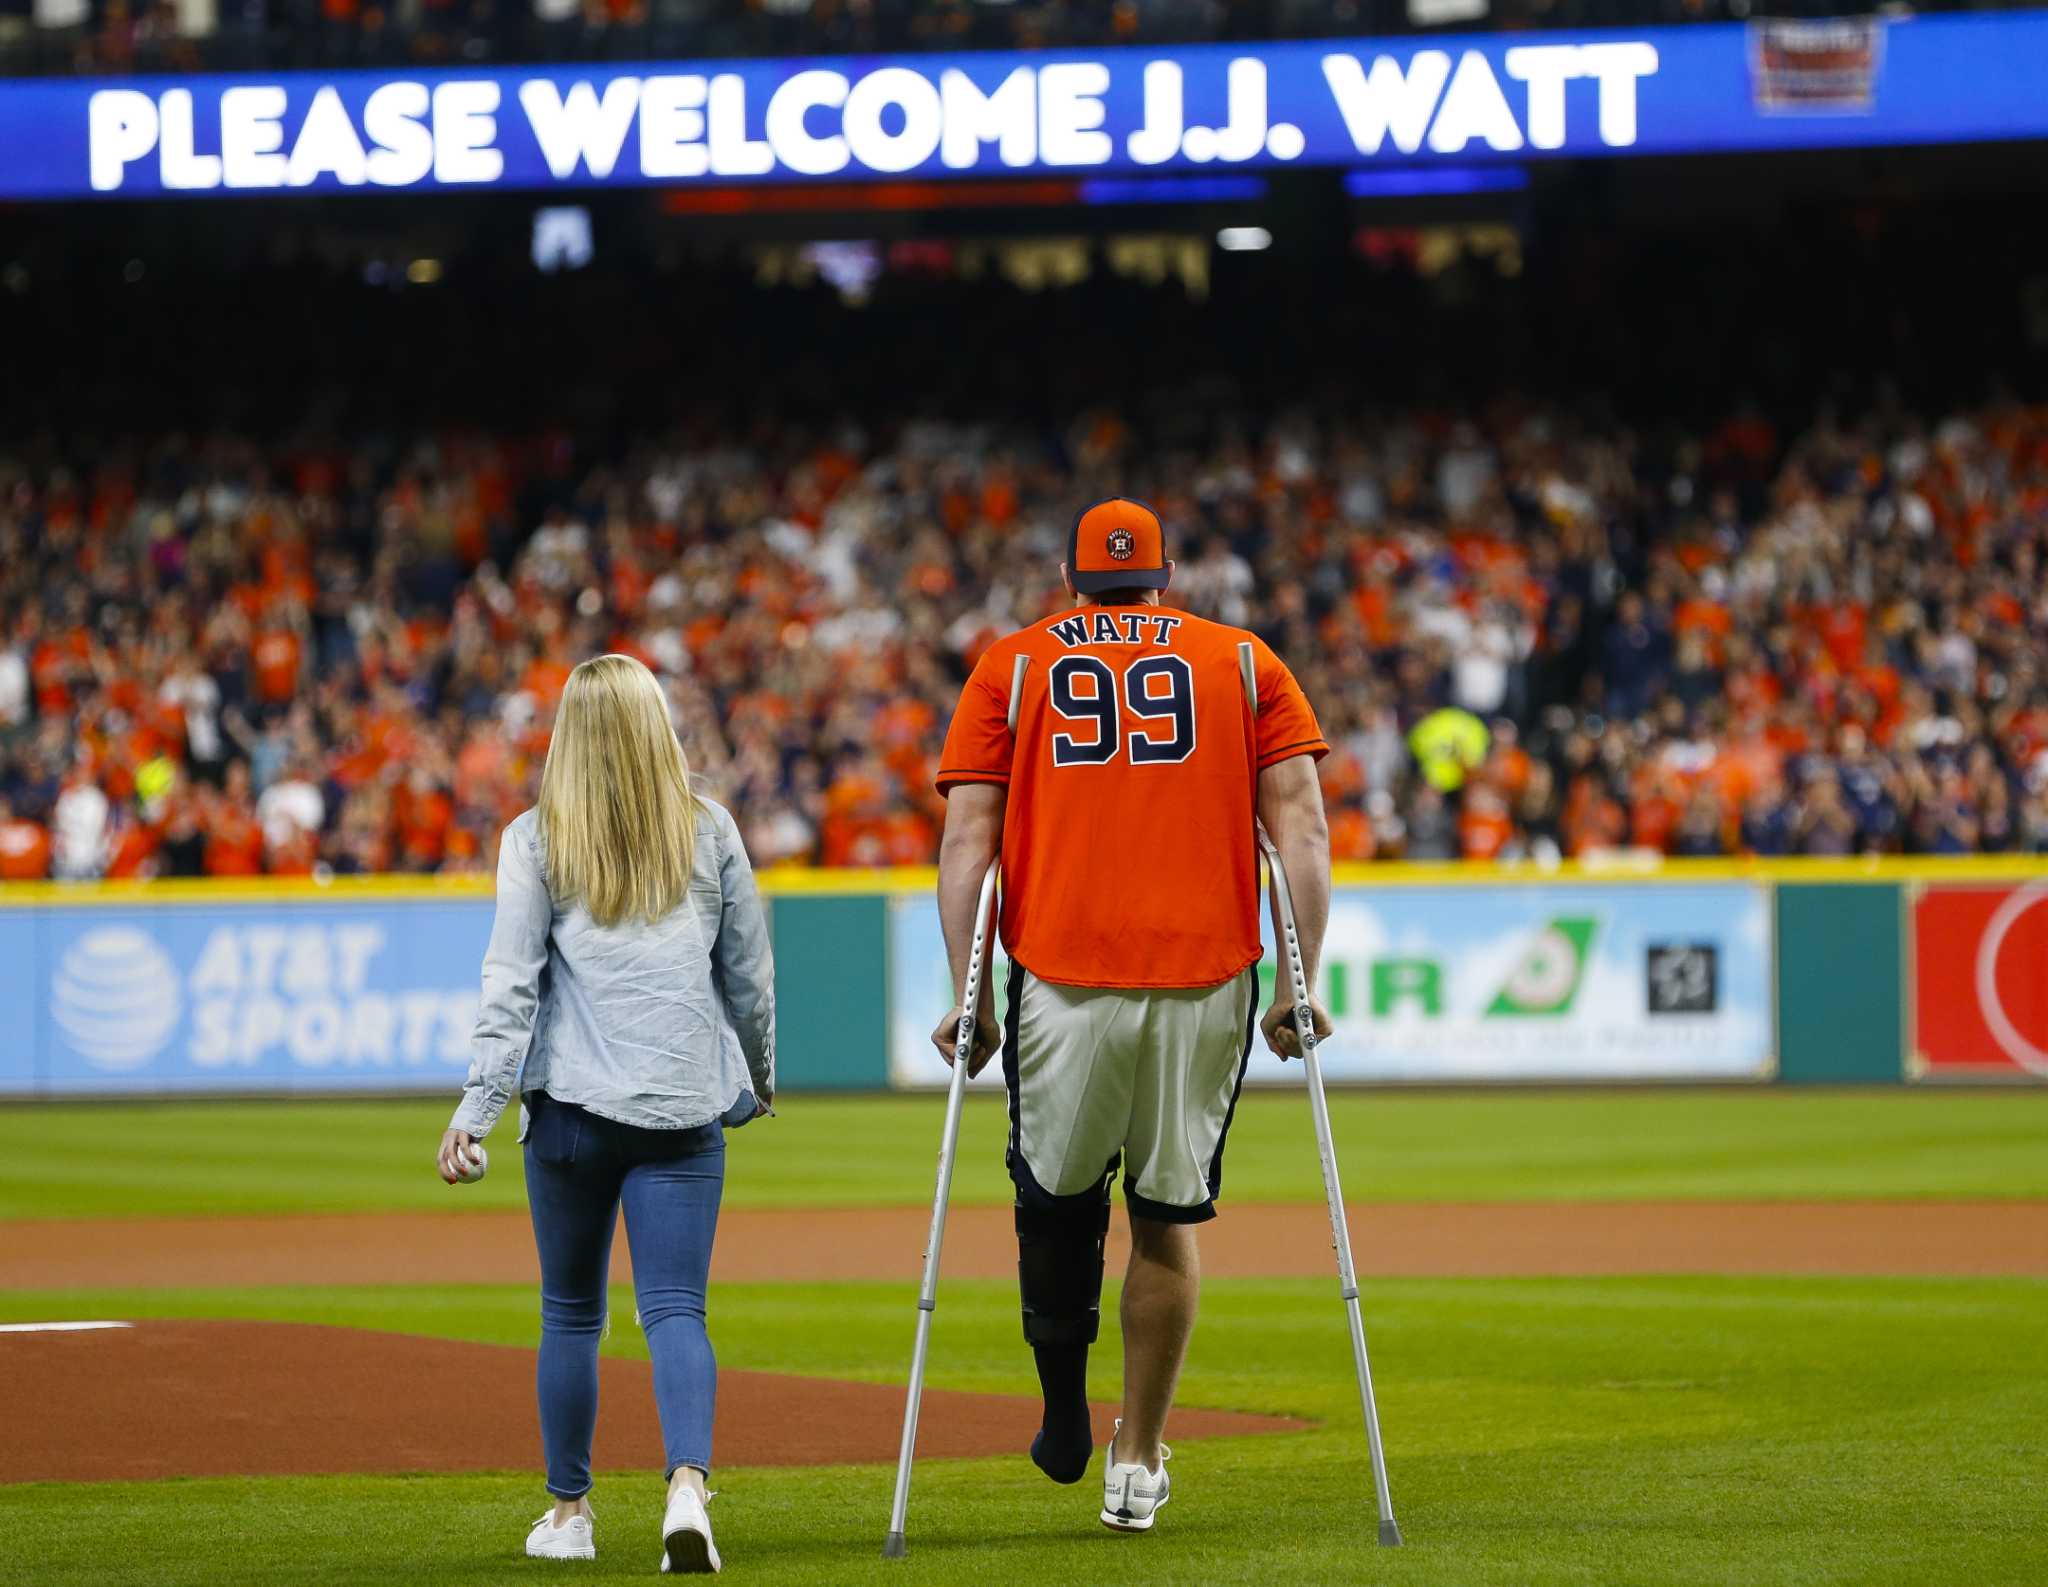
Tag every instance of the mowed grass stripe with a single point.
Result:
(196, 1158)
(1708, 1430)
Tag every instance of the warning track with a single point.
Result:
(1453, 1240)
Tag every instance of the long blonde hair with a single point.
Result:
(616, 813)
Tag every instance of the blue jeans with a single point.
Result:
(579, 1168)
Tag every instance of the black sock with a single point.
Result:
(1065, 1442)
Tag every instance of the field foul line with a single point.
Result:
(59, 1327)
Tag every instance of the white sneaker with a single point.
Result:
(1132, 1494)
(686, 1544)
(571, 1540)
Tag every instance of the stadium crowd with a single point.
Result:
(57, 36)
(226, 658)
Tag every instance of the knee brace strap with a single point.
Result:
(1059, 1271)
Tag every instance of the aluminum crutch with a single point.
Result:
(1289, 943)
(893, 1546)
(1287, 939)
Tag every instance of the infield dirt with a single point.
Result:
(1454, 1239)
(214, 1399)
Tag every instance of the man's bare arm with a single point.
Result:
(973, 838)
(1291, 808)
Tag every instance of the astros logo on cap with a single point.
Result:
(1117, 544)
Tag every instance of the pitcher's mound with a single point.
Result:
(216, 1399)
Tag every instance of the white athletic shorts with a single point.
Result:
(1150, 1076)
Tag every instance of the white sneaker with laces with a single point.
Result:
(686, 1544)
(571, 1540)
(1132, 1493)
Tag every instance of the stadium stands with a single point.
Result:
(1528, 629)
(298, 538)
(118, 36)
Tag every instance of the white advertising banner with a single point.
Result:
(1539, 981)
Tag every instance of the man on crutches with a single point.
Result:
(1116, 757)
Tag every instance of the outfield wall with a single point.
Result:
(1797, 971)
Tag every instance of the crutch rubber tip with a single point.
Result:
(893, 1546)
(1390, 1535)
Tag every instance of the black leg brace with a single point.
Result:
(1059, 1269)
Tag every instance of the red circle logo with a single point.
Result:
(2009, 958)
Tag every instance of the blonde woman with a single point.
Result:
(628, 997)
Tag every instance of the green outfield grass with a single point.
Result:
(113, 1160)
(1693, 1431)
(1696, 1431)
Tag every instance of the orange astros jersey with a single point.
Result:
(1128, 851)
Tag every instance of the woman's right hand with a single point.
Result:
(455, 1145)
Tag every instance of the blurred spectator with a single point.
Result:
(24, 847)
(1699, 833)
(61, 27)
(14, 690)
(183, 849)
(16, 18)
(157, 33)
(292, 814)
(1431, 833)
(1634, 660)
(1447, 745)
(234, 839)
(78, 846)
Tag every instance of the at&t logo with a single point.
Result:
(116, 998)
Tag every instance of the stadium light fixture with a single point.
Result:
(562, 238)
(1244, 239)
(1173, 190)
(1440, 13)
(1435, 180)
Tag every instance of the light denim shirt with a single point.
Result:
(666, 1026)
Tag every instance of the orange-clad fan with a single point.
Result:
(234, 838)
(24, 848)
(275, 659)
(424, 816)
(133, 844)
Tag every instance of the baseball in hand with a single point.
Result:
(479, 1162)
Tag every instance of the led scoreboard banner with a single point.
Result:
(1686, 90)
